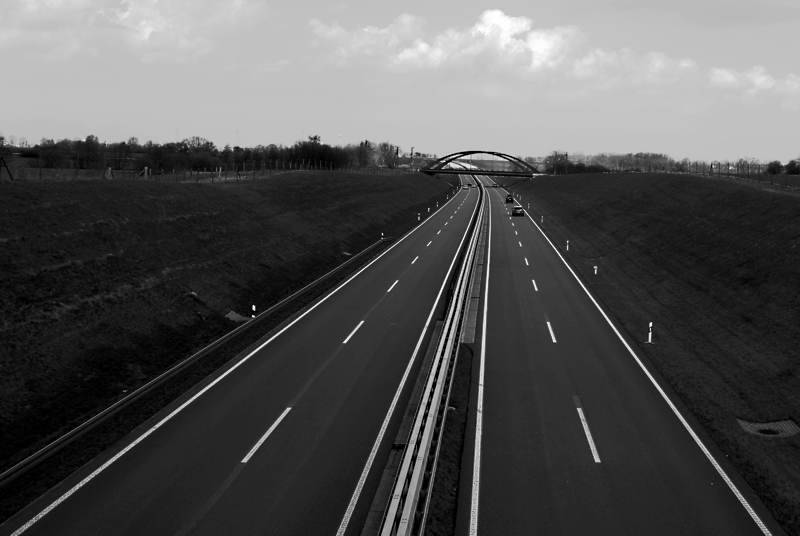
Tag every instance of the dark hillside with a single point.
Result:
(106, 283)
(716, 266)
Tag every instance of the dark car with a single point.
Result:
(518, 211)
(509, 198)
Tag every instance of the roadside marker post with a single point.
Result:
(650, 333)
(254, 312)
(567, 245)
(542, 219)
(418, 218)
(595, 269)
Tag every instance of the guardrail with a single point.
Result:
(414, 479)
(62, 441)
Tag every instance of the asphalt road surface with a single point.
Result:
(574, 437)
(279, 444)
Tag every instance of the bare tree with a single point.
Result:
(388, 154)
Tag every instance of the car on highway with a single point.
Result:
(509, 198)
(518, 211)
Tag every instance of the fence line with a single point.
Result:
(37, 174)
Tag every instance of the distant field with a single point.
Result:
(716, 266)
(106, 283)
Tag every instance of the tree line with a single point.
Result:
(199, 154)
(562, 163)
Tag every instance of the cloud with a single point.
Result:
(370, 41)
(155, 30)
(496, 40)
(754, 81)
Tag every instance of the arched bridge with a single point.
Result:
(523, 169)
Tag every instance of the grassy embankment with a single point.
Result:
(105, 284)
(716, 266)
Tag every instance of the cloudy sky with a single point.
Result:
(697, 78)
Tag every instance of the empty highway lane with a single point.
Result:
(571, 436)
(281, 441)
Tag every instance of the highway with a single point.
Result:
(570, 434)
(289, 439)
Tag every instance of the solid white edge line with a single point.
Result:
(476, 461)
(710, 457)
(534, 285)
(266, 435)
(592, 446)
(393, 284)
(415, 259)
(550, 329)
(351, 506)
(353, 332)
(67, 494)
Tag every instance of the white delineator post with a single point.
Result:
(418, 217)
(567, 245)
(254, 312)
(542, 219)
(595, 269)
(650, 333)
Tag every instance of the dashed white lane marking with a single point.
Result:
(429, 243)
(526, 262)
(445, 224)
(535, 288)
(437, 232)
(516, 233)
(550, 329)
(586, 430)
(266, 435)
(167, 418)
(354, 498)
(512, 223)
(415, 259)
(707, 453)
(353, 332)
(520, 243)
(393, 284)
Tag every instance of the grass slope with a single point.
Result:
(105, 284)
(716, 266)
